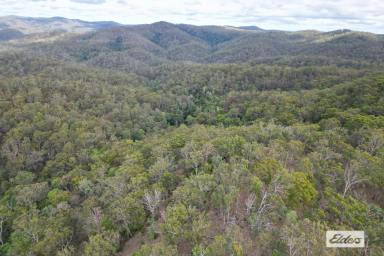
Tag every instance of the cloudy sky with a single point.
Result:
(363, 15)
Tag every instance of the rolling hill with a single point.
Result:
(14, 27)
(125, 47)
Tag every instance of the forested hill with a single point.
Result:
(125, 47)
(15, 27)
(173, 139)
(159, 42)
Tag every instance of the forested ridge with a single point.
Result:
(167, 139)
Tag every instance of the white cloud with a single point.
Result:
(365, 15)
(86, 1)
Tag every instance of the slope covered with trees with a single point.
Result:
(168, 139)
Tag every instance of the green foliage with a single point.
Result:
(156, 250)
(196, 191)
(302, 192)
(230, 146)
(184, 224)
(101, 245)
(347, 211)
(56, 196)
(128, 214)
(39, 235)
(267, 169)
(225, 245)
(24, 178)
(256, 184)
(303, 236)
(27, 195)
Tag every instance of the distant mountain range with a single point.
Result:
(13, 27)
(112, 45)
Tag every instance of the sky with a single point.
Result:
(324, 15)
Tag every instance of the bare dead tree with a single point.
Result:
(366, 247)
(350, 177)
(162, 215)
(1, 231)
(152, 201)
(291, 246)
(96, 217)
(277, 186)
(249, 202)
(264, 205)
(12, 149)
(374, 143)
(161, 165)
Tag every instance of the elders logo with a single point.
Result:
(343, 239)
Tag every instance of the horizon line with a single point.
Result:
(138, 24)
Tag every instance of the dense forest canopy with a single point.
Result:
(167, 139)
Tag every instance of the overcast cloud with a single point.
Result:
(367, 15)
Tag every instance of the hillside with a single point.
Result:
(14, 27)
(127, 47)
(172, 139)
